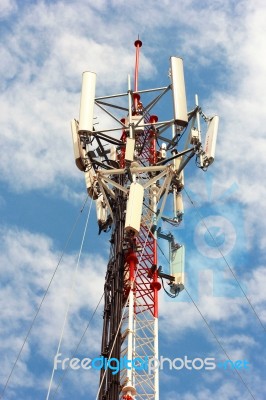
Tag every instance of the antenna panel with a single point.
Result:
(90, 183)
(177, 162)
(211, 138)
(179, 204)
(101, 210)
(113, 153)
(177, 264)
(130, 149)
(79, 152)
(179, 91)
(135, 119)
(87, 102)
(134, 208)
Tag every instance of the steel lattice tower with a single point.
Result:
(131, 177)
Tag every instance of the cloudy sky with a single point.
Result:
(45, 47)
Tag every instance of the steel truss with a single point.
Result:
(132, 305)
(130, 319)
(130, 326)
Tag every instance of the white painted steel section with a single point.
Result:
(142, 126)
(134, 170)
(129, 388)
(87, 102)
(125, 94)
(155, 179)
(154, 194)
(156, 356)
(134, 353)
(144, 331)
(108, 180)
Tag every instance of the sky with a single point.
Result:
(45, 47)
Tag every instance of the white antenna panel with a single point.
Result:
(177, 162)
(179, 91)
(177, 265)
(87, 102)
(113, 153)
(211, 138)
(134, 208)
(130, 149)
(179, 204)
(101, 210)
(79, 152)
(180, 180)
(90, 183)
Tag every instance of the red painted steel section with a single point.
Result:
(141, 266)
(132, 261)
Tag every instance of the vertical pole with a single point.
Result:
(138, 44)
(114, 282)
(174, 200)
(156, 287)
(129, 107)
(153, 155)
(129, 389)
(198, 125)
(156, 355)
(173, 131)
(174, 187)
(123, 148)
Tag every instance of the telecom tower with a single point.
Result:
(131, 169)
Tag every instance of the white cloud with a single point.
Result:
(50, 47)
(225, 313)
(214, 309)
(242, 142)
(255, 282)
(43, 59)
(7, 7)
(27, 261)
(227, 391)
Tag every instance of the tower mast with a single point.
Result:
(131, 182)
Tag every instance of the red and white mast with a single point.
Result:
(140, 327)
(131, 181)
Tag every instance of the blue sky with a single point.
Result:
(45, 47)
